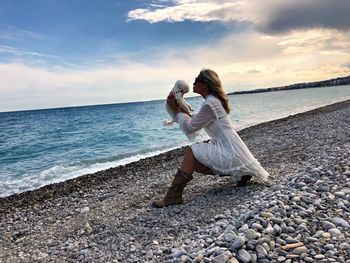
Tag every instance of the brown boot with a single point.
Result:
(174, 194)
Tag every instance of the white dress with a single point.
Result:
(226, 153)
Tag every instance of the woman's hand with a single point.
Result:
(172, 103)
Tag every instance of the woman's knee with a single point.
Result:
(189, 154)
(188, 161)
(188, 150)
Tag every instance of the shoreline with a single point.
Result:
(74, 184)
(180, 150)
(303, 215)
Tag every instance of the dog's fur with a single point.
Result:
(179, 89)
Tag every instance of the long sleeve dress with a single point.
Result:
(226, 153)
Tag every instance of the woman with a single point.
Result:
(225, 154)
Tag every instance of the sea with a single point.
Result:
(40, 147)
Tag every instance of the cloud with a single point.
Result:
(19, 52)
(27, 87)
(323, 41)
(181, 10)
(269, 16)
(272, 60)
(300, 14)
(346, 65)
(8, 32)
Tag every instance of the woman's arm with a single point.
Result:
(199, 121)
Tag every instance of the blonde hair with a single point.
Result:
(211, 78)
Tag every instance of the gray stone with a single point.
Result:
(229, 237)
(318, 234)
(329, 246)
(290, 240)
(269, 230)
(243, 228)
(340, 222)
(339, 194)
(328, 225)
(300, 250)
(251, 234)
(179, 252)
(257, 226)
(85, 209)
(277, 229)
(291, 256)
(244, 256)
(199, 258)
(281, 259)
(220, 217)
(276, 220)
(261, 250)
(319, 256)
(266, 214)
(334, 232)
(345, 246)
(346, 191)
(222, 258)
(238, 242)
(149, 254)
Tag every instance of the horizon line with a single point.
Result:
(231, 93)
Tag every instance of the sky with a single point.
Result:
(62, 53)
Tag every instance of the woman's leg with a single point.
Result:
(190, 164)
(182, 177)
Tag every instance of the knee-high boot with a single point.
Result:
(174, 194)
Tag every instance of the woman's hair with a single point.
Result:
(211, 78)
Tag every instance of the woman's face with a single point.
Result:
(200, 87)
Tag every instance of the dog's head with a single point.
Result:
(182, 86)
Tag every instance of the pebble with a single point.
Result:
(334, 232)
(229, 237)
(266, 214)
(85, 209)
(328, 225)
(340, 222)
(222, 258)
(244, 256)
(261, 250)
(300, 250)
(238, 242)
(319, 256)
(252, 234)
(281, 259)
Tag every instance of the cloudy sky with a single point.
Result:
(65, 53)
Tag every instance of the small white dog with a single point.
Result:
(179, 89)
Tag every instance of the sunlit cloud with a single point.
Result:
(178, 11)
(246, 60)
(323, 41)
(270, 16)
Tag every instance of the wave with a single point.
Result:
(60, 173)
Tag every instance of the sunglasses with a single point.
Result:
(199, 78)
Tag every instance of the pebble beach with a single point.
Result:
(301, 215)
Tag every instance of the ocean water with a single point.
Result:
(41, 147)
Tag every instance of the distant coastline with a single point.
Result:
(316, 84)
